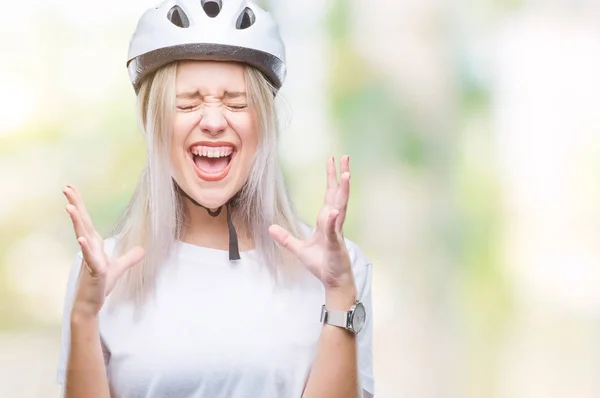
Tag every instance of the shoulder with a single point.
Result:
(357, 257)
(362, 269)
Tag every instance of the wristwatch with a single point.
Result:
(352, 320)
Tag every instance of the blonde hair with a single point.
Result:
(155, 215)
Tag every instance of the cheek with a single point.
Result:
(182, 126)
(247, 133)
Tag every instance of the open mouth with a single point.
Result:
(212, 162)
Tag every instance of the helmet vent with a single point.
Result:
(178, 18)
(246, 19)
(212, 8)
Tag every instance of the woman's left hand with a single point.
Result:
(324, 253)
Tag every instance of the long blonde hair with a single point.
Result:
(155, 215)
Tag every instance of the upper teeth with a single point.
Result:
(211, 151)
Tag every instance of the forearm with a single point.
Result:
(334, 372)
(86, 371)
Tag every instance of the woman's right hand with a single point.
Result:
(99, 272)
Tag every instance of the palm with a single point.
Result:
(103, 271)
(324, 252)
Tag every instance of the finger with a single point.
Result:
(78, 227)
(89, 259)
(129, 259)
(322, 218)
(285, 239)
(83, 209)
(331, 230)
(332, 183)
(345, 164)
(75, 199)
(341, 198)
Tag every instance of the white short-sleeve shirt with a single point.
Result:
(217, 328)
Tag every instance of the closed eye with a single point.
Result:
(237, 107)
(186, 108)
(189, 108)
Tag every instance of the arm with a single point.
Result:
(86, 371)
(335, 372)
(335, 369)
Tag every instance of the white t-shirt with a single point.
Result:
(218, 329)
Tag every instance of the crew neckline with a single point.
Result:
(195, 252)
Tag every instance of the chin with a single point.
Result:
(212, 203)
(211, 197)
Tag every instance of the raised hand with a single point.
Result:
(99, 272)
(324, 253)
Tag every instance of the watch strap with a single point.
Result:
(334, 317)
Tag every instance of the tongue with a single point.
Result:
(211, 165)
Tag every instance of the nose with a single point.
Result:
(213, 121)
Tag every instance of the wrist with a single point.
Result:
(341, 297)
(82, 314)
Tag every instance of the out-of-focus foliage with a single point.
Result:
(473, 135)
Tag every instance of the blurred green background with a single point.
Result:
(472, 129)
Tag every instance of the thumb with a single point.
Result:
(285, 239)
(129, 259)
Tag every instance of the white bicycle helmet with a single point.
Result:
(216, 30)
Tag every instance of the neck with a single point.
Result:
(202, 229)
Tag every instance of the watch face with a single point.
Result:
(358, 319)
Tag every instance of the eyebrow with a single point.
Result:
(198, 94)
(188, 94)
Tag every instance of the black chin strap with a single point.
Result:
(234, 251)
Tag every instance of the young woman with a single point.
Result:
(210, 286)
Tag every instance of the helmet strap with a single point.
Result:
(234, 252)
